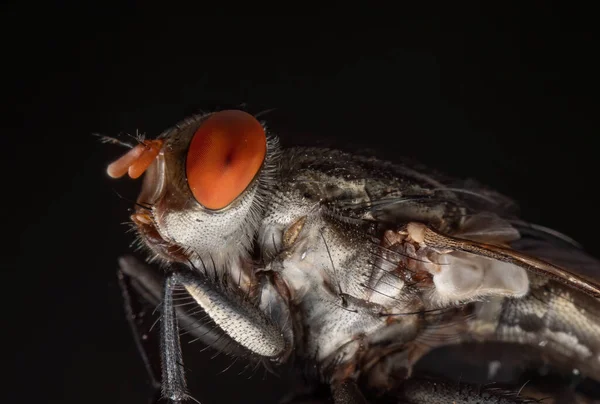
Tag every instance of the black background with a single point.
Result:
(506, 95)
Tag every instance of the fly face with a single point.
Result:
(355, 266)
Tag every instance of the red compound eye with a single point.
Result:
(224, 156)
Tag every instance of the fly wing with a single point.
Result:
(484, 254)
(466, 222)
(566, 275)
(557, 249)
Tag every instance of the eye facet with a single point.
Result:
(224, 156)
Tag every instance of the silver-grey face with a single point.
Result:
(361, 267)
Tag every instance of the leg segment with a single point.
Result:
(416, 391)
(238, 318)
(138, 312)
(241, 327)
(347, 392)
(173, 375)
(144, 286)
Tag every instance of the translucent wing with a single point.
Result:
(571, 277)
(463, 220)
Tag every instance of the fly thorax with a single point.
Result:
(317, 274)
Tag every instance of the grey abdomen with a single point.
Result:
(562, 324)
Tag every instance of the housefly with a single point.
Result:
(354, 268)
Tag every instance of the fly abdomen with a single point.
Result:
(564, 324)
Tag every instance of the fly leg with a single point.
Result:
(138, 312)
(241, 329)
(239, 322)
(415, 391)
(173, 374)
(347, 392)
(237, 318)
(142, 289)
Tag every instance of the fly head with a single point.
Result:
(203, 189)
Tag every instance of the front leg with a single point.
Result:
(173, 374)
(142, 288)
(242, 328)
(241, 321)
